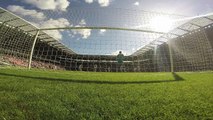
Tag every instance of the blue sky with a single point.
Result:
(111, 13)
(184, 7)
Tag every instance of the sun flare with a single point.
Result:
(160, 23)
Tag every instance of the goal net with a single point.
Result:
(88, 39)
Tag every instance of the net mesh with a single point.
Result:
(90, 40)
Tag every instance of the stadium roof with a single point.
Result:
(191, 25)
(15, 21)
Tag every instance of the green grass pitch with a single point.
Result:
(63, 95)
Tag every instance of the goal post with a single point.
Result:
(32, 50)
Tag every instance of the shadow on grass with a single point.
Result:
(177, 78)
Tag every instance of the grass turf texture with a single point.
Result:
(66, 95)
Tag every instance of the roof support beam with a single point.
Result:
(160, 41)
(2, 12)
(196, 25)
(165, 37)
(46, 38)
(1, 25)
(50, 41)
(208, 18)
(42, 34)
(11, 20)
(183, 29)
(58, 45)
(22, 25)
(31, 31)
(174, 35)
(53, 44)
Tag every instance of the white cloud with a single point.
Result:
(137, 3)
(49, 4)
(82, 22)
(54, 23)
(19, 10)
(41, 21)
(89, 1)
(102, 31)
(102, 3)
(85, 33)
(133, 49)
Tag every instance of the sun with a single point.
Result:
(161, 24)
